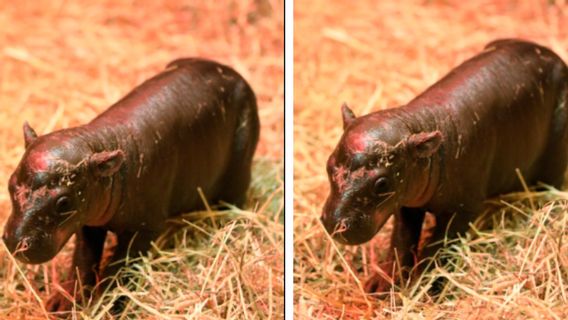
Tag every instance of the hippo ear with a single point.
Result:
(424, 144)
(29, 134)
(106, 163)
(348, 115)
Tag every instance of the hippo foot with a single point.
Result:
(60, 304)
(63, 303)
(391, 277)
(379, 283)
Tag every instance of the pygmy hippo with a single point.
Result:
(195, 125)
(448, 150)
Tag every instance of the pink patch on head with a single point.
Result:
(38, 161)
(358, 142)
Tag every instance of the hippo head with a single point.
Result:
(59, 186)
(377, 167)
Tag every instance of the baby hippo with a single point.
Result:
(448, 150)
(195, 125)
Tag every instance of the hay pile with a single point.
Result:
(63, 62)
(381, 54)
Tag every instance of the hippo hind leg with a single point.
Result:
(237, 176)
(555, 157)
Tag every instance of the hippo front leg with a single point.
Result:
(402, 253)
(130, 245)
(449, 226)
(83, 273)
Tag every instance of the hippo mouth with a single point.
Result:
(32, 250)
(38, 247)
(357, 230)
(347, 234)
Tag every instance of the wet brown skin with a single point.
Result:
(448, 150)
(131, 168)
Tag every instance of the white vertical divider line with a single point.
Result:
(289, 159)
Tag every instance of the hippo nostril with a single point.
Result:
(342, 225)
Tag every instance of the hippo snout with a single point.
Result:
(34, 249)
(353, 230)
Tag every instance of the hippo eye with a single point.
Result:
(63, 205)
(381, 186)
